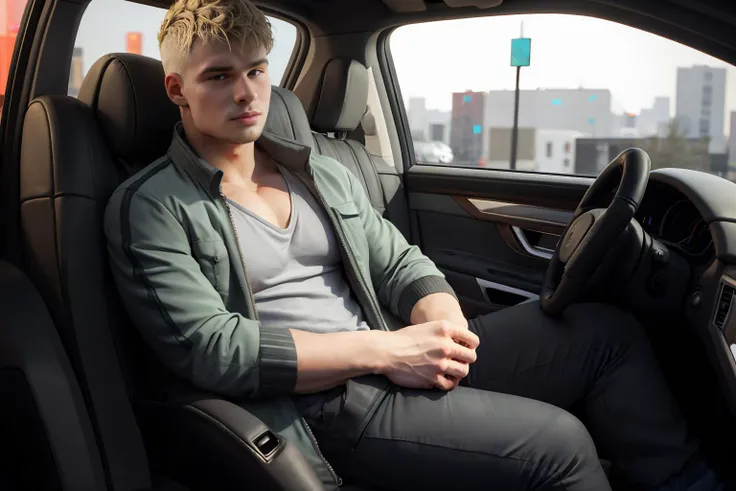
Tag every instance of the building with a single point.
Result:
(701, 97)
(539, 150)
(468, 140)
(428, 124)
(732, 141)
(11, 12)
(583, 110)
(653, 121)
(76, 72)
(592, 155)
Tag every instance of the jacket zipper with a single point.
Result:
(240, 251)
(334, 475)
(353, 269)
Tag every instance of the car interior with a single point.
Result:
(82, 400)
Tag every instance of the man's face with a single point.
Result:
(225, 92)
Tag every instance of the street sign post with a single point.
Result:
(521, 55)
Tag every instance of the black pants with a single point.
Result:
(507, 426)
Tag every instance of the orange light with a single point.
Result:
(134, 43)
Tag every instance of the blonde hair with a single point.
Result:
(227, 21)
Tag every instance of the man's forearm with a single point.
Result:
(438, 306)
(328, 360)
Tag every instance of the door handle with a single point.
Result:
(532, 250)
(523, 295)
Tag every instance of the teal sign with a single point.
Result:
(521, 52)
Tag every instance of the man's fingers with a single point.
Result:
(456, 370)
(444, 383)
(463, 354)
(466, 338)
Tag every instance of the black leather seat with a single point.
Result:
(341, 108)
(74, 153)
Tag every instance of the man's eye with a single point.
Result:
(219, 76)
(256, 72)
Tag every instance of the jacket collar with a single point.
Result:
(288, 153)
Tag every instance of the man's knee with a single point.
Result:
(568, 441)
(568, 452)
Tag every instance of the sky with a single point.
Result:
(435, 59)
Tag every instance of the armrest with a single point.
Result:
(210, 443)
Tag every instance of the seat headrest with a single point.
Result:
(127, 93)
(287, 117)
(343, 97)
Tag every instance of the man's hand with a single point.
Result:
(429, 355)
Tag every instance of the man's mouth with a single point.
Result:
(248, 118)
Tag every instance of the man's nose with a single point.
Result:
(244, 91)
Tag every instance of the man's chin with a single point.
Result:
(248, 135)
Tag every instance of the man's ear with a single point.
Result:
(174, 90)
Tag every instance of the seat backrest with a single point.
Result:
(67, 175)
(74, 153)
(342, 105)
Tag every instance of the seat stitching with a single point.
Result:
(360, 169)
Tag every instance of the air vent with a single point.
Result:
(724, 305)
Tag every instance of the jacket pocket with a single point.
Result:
(213, 259)
(351, 226)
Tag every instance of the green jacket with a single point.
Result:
(178, 267)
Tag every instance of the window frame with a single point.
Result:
(299, 51)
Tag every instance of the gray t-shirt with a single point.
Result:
(296, 273)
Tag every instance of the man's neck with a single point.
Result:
(236, 161)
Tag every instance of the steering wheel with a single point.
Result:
(594, 229)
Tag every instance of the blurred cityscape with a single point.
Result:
(575, 131)
(11, 13)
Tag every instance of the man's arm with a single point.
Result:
(179, 312)
(326, 360)
(400, 272)
(432, 354)
(438, 306)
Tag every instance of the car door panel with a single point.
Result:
(492, 233)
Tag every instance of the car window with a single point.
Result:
(114, 26)
(588, 89)
(11, 12)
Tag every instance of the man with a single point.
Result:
(259, 271)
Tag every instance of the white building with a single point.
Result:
(428, 124)
(700, 103)
(654, 121)
(583, 110)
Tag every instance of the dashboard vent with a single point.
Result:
(724, 305)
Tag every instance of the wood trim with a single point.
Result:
(528, 217)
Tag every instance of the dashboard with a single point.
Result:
(694, 214)
(671, 217)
